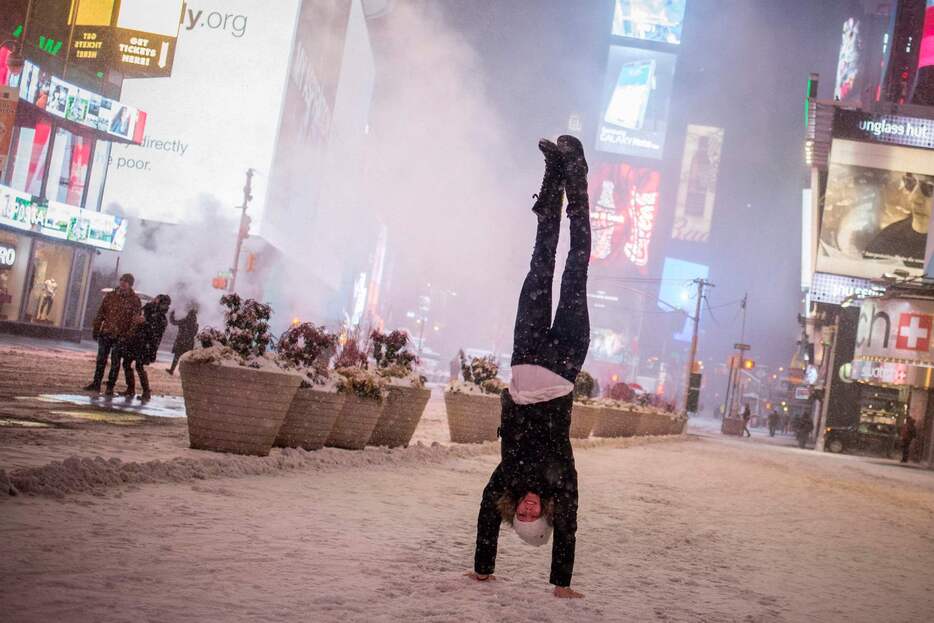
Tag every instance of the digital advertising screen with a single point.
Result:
(649, 20)
(678, 290)
(624, 208)
(697, 187)
(864, 49)
(607, 345)
(636, 93)
(216, 116)
(877, 208)
(59, 220)
(68, 101)
(926, 52)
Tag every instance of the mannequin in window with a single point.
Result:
(46, 299)
(4, 292)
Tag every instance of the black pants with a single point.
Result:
(175, 359)
(105, 344)
(121, 357)
(906, 449)
(560, 346)
(143, 375)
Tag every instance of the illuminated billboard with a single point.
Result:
(62, 221)
(608, 346)
(72, 103)
(678, 290)
(636, 93)
(697, 189)
(876, 209)
(650, 20)
(215, 117)
(624, 207)
(864, 49)
(926, 53)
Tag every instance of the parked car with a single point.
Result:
(866, 438)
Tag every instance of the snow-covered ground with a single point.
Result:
(688, 529)
(136, 526)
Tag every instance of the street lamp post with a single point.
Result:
(244, 231)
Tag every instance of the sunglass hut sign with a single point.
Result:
(892, 129)
(896, 330)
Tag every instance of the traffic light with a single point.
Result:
(250, 262)
(694, 392)
(748, 364)
(219, 282)
(245, 221)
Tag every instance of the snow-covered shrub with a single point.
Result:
(583, 386)
(360, 382)
(393, 361)
(479, 376)
(245, 335)
(352, 365)
(307, 347)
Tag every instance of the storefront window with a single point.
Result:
(29, 153)
(68, 169)
(14, 262)
(77, 288)
(98, 175)
(51, 266)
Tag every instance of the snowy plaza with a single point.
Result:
(698, 527)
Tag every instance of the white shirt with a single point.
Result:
(531, 384)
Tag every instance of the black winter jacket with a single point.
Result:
(187, 330)
(536, 456)
(144, 344)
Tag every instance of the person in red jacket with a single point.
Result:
(119, 313)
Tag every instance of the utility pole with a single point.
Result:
(733, 383)
(701, 284)
(244, 231)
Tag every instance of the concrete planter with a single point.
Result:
(355, 422)
(235, 409)
(732, 426)
(310, 418)
(400, 416)
(677, 425)
(653, 424)
(472, 418)
(583, 419)
(614, 422)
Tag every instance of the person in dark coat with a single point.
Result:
(534, 488)
(908, 434)
(747, 415)
(144, 345)
(187, 330)
(112, 328)
(774, 421)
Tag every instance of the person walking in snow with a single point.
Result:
(747, 415)
(908, 433)
(534, 488)
(187, 331)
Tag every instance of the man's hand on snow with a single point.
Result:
(479, 577)
(566, 592)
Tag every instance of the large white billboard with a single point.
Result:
(215, 117)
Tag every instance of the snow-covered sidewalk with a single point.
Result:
(683, 530)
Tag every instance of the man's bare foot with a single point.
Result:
(566, 592)
(479, 577)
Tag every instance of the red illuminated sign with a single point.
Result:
(914, 332)
(624, 208)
